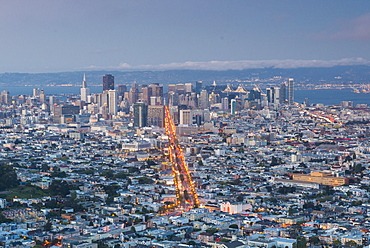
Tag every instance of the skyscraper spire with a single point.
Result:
(84, 81)
(85, 92)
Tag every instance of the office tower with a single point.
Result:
(180, 88)
(203, 101)
(122, 88)
(5, 97)
(346, 104)
(133, 94)
(282, 93)
(42, 96)
(200, 116)
(157, 89)
(214, 98)
(188, 100)
(269, 94)
(172, 88)
(198, 86)
(146, 93)
(52, 100)
(113, 104)
(173, 98)
(156, 115)
(102, 99)
(306, 102)
(65, 114)
(85, 92)
(188, 87)
(36, 92)
(254, 95)
(108, 82)
(273, 95)
(290, 91)
(140, 114)
(233, 106)
(186, 117)
(276, 95)
(156, 100)
(225, 103)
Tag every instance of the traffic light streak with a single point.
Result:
(185, 189)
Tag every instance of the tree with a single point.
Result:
(200, 163)
(107, 174)
(234, 226)
(274, 161)
(3, 219)
(60, 188)
(240, 198)
(211, 230)
(47, 226)
(337, 243)
(145, 180)
(8, 178)
(358, 168)
(45, 167)
(314, 240)
(351, 243)
(301, 242)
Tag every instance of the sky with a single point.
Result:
(83, 35)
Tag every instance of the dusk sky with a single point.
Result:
(81, 35)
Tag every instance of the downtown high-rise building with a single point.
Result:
(140, 114)
(5, 97)
(112, 102)
(203, 100)
(121, 89)
(225, 103)
(186, 117)
(156, 115)
(133, 94)
(290, 91)
(85, 92)
(273, 95)
(233, 104)
(198, 86)
(108, 82)
(282, 93)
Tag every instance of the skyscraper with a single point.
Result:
(113, 104)
(225, 103)
(5, 97)
(282, 93)
(198, 86)
(186, 117)
(133, 94)
(140, 114)
(122, 89)
(156, 115)
(273, 95)
(203, 100)
(85, 92)
(290, 91)
(233, 107)
(108, 82)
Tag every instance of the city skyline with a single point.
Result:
(51, 36)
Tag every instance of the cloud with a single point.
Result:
(355, 29)
(237, 65)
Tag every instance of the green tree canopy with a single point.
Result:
(8, 177)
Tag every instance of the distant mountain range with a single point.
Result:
(359, 74)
